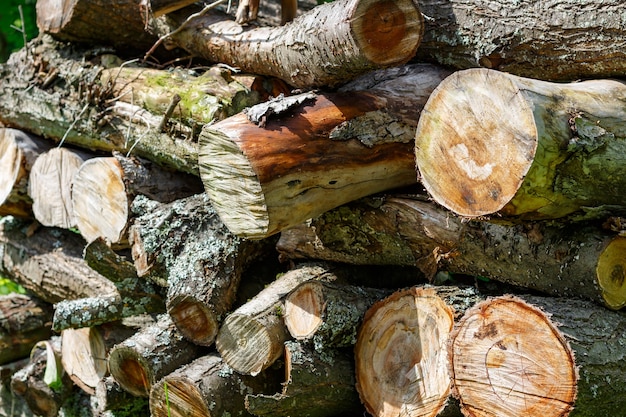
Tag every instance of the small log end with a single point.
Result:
(611, 273)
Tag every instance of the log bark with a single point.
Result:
(585, 262)
(327, 313)
(11, 404)
(48, 262)
(112, 398)
(50, 186)
(24, 321)
(42, 383)
(121, 24)
(525, 148)
(18, 152)
(551, 40)
(155, 351)
(327, 46)
(251, 337)
(186, 245)
(109, 184)
(509, 357)
(400, 354)
(316, 385)
(316, 154)
(207, 387)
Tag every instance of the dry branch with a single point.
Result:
(327, 46)
(524, 148)
(301, 156)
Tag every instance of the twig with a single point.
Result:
(72, 124)
(182, 26)
(168, 113)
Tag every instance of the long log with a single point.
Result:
(185, 245)
(251, 337)
(50, 186)
(585, 262)
(140, 361)
(316, 385)
(326, 46)
(18, 152)
(524, 148)
(316, 153)
(109, 185)
(515, 356)
(552, 40)
(48, 262)
(24, 321)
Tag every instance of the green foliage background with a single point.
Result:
(12, 39)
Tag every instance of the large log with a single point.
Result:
(186, 246)
(18, 152)
(524, 148)
(48, 262)
(400, 354)
(24, 321)
(109, 185)
(11, 404)
(252, 336)
(316, 153)
(554, 39)
(326, 46)
(515, 356)
(586, 262)
(316, 385)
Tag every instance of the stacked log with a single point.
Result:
(143, 203)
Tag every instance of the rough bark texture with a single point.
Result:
(207, 387)
(112, 398)
(316, 385)
(400, 354)
(251, 337)
(551, 40)
(327, 46)
(524, 148)
(50, 186)
(18, 152)
(286, 162)
(48, 262)
(186, 245)
(24, 321)
(141, 360)
(585, 261)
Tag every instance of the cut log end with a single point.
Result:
(401, 364)
(177, 396)
(304, 308)
(611, 273)
(475, 142)
(507, 357)
(227, 174)
(10, 169)
(386, 30)
(194, 320)
(83, 354)
(129, 371)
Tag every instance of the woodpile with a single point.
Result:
(365, 207)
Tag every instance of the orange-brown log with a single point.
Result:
(306, 154)
(18, 152)
(495, 144)
(326, 46)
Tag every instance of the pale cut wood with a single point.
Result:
(24, 321)
(207, 387)
(508, 358)
(104, 188)
(400, 354)
(584, 262)
(251, 337)
(303, 158)
(140, 361)
(524, 148)
(48, 262)
(18, 152)
(547, 39)
(50, 185)
(326, 46)
(316, 385)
